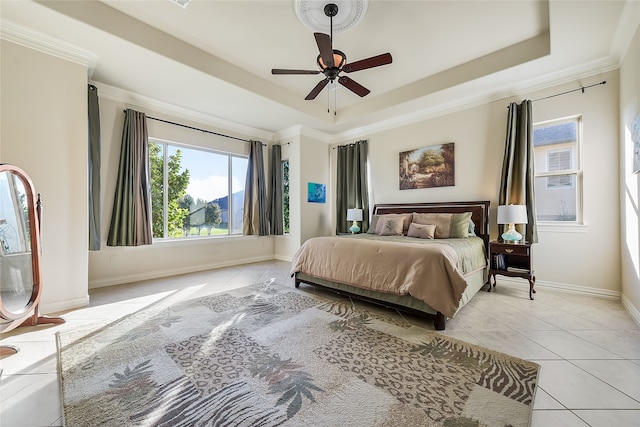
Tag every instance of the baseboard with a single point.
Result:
(563, 287)
(633, 312)
(283, 258)
(119, 280)
(57, 307)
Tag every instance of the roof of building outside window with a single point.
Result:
(555, 134)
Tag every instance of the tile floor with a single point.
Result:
(588, 347)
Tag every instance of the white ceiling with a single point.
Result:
(214, 58)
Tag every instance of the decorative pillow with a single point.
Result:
(460, 225)
(372, 224)
(441, 221)
(406, 221)
(390, 226)
(422, 231)
(448, 225)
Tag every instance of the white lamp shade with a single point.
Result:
(512, 214)
(354, 214)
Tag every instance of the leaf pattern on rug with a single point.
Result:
(149, 328)
(133, 385)
(341, 309)
(285, 377)
(350, 324)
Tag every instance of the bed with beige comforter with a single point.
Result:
(433, 271)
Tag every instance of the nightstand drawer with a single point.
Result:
(510, 249)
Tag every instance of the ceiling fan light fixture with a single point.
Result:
(339, 60)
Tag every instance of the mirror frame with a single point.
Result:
(33, 214)
(29, 316)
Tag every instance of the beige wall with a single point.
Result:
(43, 130)
(629, 182)
(308, 162)
(112, 265)
(314, 165)
(588, 259)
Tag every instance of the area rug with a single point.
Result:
(269, 355)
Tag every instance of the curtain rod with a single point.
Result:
(195, 128)
(582, 88)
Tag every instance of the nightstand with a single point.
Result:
(513, 260)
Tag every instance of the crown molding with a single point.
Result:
(144, 102)
(459, 104)
(300, 130)
(23, 36)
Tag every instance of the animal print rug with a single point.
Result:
(268, 355)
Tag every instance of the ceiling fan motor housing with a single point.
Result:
(339, 61)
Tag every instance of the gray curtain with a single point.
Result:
(276, 218)
(517, 181)
(94, 169)
(256, 214)
(131, 217)
(352, 186)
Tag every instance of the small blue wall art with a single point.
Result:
(316, 193)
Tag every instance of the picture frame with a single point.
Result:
(427, 167)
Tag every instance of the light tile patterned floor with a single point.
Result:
(588, 347)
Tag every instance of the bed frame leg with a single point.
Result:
(439, 321)
(297, 285)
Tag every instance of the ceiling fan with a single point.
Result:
(332, 62)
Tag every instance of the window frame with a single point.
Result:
(165, 195)
(576, 171)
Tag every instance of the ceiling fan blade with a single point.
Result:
(316, 90)
(354, 87)
(363, 64)
(281, 71)
(324, 46)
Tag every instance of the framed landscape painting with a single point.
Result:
(428, 167)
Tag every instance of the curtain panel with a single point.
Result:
(352, 184)
(255, 220)
(94, 168)
(276, 217)
(517, 180)
(131, 216)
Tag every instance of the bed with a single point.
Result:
(432, 277)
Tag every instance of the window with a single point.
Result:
(285, 195)
(559, 160)
(198, 183)
(557, 170)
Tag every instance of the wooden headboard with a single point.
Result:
(479, 212)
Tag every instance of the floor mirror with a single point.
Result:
(20, 285)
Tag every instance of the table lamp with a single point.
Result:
(511, 215)
(354, 215)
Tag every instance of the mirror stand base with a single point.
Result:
(42, 320)
(8, 350)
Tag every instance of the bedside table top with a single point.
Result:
(522, 243)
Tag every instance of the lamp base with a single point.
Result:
(511, 235)
(354, 228)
